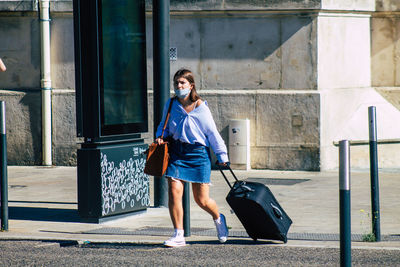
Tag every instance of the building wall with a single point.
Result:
(385, 30)
(385, 70)
(349, 71)
(282, 64)
(343, 70)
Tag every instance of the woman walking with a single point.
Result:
(191, 130)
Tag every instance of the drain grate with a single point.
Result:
(15, 186)
(165, 231)
(276, 181)
(151, 231)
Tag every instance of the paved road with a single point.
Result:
(236, 253)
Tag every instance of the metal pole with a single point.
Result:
(373, 157)
(45, 81)
(186, 209)
(161, 83)
(3, 162)
(345, 214)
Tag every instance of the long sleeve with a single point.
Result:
(215, 139)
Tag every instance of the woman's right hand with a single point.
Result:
(159, 141)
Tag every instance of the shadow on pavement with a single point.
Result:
(161, 246)
(43, 214)
(235, 242)
(43, 202)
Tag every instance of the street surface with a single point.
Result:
(239, 252)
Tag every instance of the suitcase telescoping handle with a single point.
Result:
(227, 166)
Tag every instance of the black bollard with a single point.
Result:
(344, 205)
(373, 156)
(3, 160)
(161, 81)
(186, 209)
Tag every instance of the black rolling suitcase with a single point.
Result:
(257, 209)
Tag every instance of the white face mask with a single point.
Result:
(182, 93)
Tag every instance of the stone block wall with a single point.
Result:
(349, 68)
(385, 66)
(244, 51)
(385, 48)
(284, 126)
(23, 125)
(20, 86)
(298, 69)
(238, 59)
(20, 51)
(256, 66)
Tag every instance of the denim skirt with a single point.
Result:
(189, 162)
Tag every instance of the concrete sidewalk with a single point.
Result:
(43, 206)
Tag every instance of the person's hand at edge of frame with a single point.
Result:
(2, 66)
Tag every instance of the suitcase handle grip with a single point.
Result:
(226, 166)
(248, 189)
(277, 211)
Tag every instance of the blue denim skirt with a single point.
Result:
(189, 162)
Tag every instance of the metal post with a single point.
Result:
(3, 162)
(186, 209)
(45, 81)
(161, 83)
(373, 157)
(345, 215)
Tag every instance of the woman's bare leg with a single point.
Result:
(201, 194)
(175, 193)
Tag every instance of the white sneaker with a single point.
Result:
(222, 229)
(175, 241)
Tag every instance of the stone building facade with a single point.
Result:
(303, 71)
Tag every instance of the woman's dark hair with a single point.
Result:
(188, 75)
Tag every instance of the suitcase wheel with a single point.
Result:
(254, 238)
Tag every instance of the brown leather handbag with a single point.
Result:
(157, 155)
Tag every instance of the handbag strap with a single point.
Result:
(166, 119)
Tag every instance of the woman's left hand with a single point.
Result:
(159, 141)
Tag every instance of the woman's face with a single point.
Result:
(182, 83)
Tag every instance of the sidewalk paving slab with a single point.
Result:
(43, 206)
